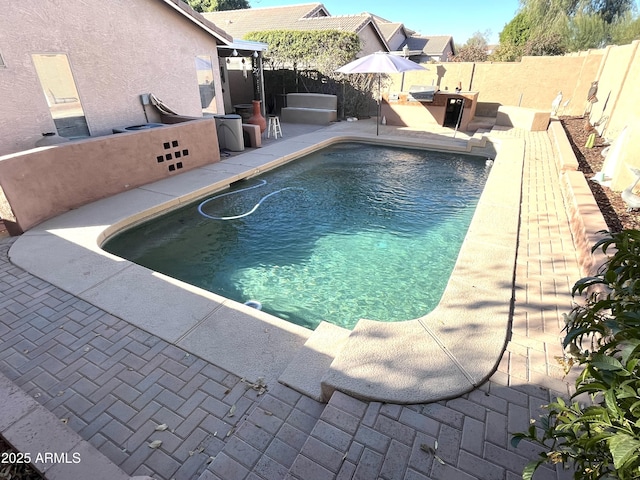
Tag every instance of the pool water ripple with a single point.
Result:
(362, 231)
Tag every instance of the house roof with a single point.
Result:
(347, 23)
(308, 16)
(240, 22)
(430, 45)
(389, 25)
(221, 36)
(389, 29)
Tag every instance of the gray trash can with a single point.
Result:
(229, 128)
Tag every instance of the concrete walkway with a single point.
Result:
(113, 383)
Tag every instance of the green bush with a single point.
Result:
(600, 440)
(320, 50)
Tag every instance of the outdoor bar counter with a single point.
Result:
(447, 109)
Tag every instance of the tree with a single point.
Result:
(218, 5)
(475, 50)
(513, 38)
(545, 43)
(625, 30)
(517, 31)
(480, 39)
(506, 52)
(586, 31)
(554, 27)
(610, 10)
(471, 53)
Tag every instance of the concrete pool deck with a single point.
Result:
(283, 432)
(437, 360)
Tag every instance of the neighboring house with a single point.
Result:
(83, 68)
(376, 33)
(423, 49)
(310, 16)
(395, 33)
(420, 48)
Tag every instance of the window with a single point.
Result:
(59, 89)
(205, 83)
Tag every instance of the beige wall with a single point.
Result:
(619, 81)
(535, 81)
(446, 76)
(624, 112)
(117, 50)
(44, 182)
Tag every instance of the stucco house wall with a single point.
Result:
(370, 41)
(397, 40)
(117, 50)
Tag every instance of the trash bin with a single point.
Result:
(229, 128)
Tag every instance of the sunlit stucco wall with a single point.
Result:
(117, 50)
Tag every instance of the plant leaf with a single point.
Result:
(529, 470)
(162, 428)
(604, 362)
(155, 444)
(623, 447)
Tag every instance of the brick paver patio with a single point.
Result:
(114, 383)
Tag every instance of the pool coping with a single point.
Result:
(406, 362)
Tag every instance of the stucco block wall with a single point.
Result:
(618, 89)
(117, 50)
(44, 182)
(525, 118)
(445, 76)
(620, 157)
(532, 83)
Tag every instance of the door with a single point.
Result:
(453, 112)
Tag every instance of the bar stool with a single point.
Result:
(273, 126)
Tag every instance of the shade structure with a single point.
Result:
(380, 62)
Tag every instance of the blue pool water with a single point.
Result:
(352, 231)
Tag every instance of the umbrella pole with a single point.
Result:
(378, 108)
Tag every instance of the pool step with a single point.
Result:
(481, 123)
(305, 371)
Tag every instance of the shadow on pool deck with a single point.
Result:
(254, 344)
(117, 382)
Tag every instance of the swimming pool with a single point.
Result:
(352, 231)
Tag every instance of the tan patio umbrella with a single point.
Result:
(380, 62)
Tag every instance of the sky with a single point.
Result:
(460, 19)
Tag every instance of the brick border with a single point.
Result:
(30, 427)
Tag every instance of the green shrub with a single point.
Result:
(600, 440)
